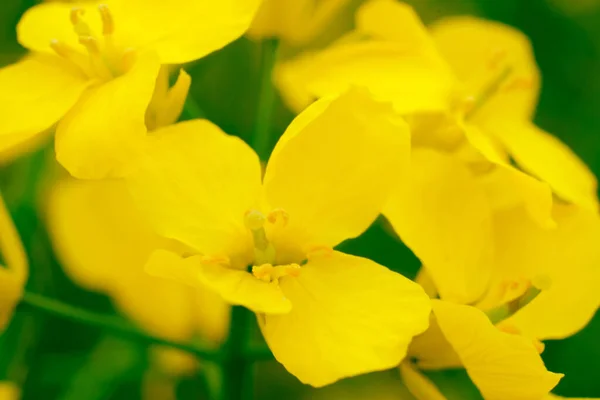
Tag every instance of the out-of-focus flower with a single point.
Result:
(13, 275)
(489, 233)
(93, 68)
(482, 74)
(9, 391)
(326, 181)
(103, 245)
(294, 21)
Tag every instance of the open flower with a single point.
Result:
(93, 69)
(324, 314)
(13, 275)
(481, 74)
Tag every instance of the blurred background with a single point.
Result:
(53, 358)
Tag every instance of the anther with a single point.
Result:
(216, 260)
(269, 273)
(108, 23)
(534, 288)
(81, 28)
(90, 43)
(278, 215)
(60, 48)
(76, 13)
(497, 56)
(519, 84)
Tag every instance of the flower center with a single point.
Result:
(264, 251)
(101, 58)
(503, 79)
(532, 290)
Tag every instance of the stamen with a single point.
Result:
(318, 251)
(128, 59)
(219, 260)
(269, 273)
(497, 56)
(488, 92)
(69, 53)
(80, 26)
(278, 215)
(90, 43)
(264, 252)
(519, 84)
(108, 23)
(536, 286)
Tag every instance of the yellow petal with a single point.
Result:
(400, 72)
(235, 286)
(9, 391)
(103, 244)
(443, 215)
(432, 351)
(11, 291)
(294, 21)
(547, 158)
(502, 365)
(567, 255)
(46, 22)
(418, 384)
(332, 168)
(36, 92)
(480, 51)
(195, 184)
(350, 313)
(182, 30)
(101, 135)
(506, 186)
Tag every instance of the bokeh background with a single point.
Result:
(58, 359)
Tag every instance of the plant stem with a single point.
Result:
(266, 98)
(57, 308)
(236, 367)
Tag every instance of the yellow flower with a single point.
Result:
(14, 275)
(9, 391)
(481, 74)
(93, 68)
(103, 244)
(294, 21)
(324, 314)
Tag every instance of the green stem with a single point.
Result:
(57, 308)
(266, 98)
(236, 367)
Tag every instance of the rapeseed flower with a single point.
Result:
(9, 391)
(103, 244)
(13, 275)
(481, 74)
(325, 182)
(93, 67)
(295, 22)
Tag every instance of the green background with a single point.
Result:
(56, 359)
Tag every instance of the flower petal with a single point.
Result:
(418, 384)
(480, 51)
(506, 186)
(332, 168)
(398, 63)
(103, 244)
(11, 291)
(235, 286)
(195, 184)
(46, 22)
(350, 313)
(101, 135)
(443, 215)
(36, 92)
(502, 365)
(182, 30)
(550, 160)
(568, 255)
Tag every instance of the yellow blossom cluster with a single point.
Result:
(430, 127)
